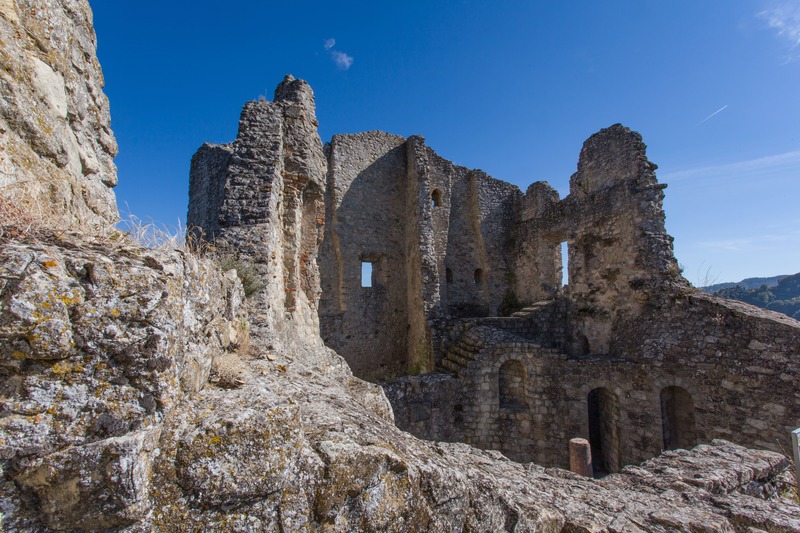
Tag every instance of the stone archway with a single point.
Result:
(603, 408)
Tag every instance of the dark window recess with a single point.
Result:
(436, 198)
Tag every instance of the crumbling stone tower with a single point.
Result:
(260, 198)
(620, 256)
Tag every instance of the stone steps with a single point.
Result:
(460, 355)
(475, 339)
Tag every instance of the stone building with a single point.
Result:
(435, 236)
(447, 282)
(466, 275)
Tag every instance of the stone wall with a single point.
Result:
(260, 199)
(620, 254)
(366, 224)
(56, 146)
(738, 366)
(627, 355)
(438, 236)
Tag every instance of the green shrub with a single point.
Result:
(248, 275)
(510, 304)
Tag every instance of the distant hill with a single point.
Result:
(749, 283)
(783, 297)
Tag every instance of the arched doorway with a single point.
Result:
(677, 418)
(511, 385)
(604, 431)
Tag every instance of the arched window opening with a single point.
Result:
(511, 385)
(603, 406)
(436, 198)
(677, 418)
(478, 276)
(448, 275)
(583, 344)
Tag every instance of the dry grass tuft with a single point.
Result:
(229, 371)
(17, 223)
(151, 234)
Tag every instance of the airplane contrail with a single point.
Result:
(712, 114)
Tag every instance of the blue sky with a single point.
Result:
(513, 88)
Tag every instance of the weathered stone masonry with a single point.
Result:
(260, 198)
(437, 236)
(627, 355)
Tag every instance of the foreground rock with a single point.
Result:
(107, 423)
(99, 343)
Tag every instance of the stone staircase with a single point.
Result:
(533, 326)
(460, 355)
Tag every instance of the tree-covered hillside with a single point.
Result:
(749, 283)
(783, 297)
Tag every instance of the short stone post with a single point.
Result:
(580, 457)
(796, 453)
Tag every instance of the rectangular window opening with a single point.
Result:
(366, 273)
(564, 263)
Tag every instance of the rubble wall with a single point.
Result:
(260, 200)
(366, 223)
(738, 366)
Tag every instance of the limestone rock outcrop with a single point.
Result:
(56, 145)
(99, 343)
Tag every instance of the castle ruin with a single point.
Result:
(464, 316)
(144, 389)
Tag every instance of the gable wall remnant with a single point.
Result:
(260, 199)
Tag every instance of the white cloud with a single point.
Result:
(342, 60)
(751, 244)
(779, 167)
(784, 18)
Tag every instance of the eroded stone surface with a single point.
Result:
(56, 145)
(99, 342)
